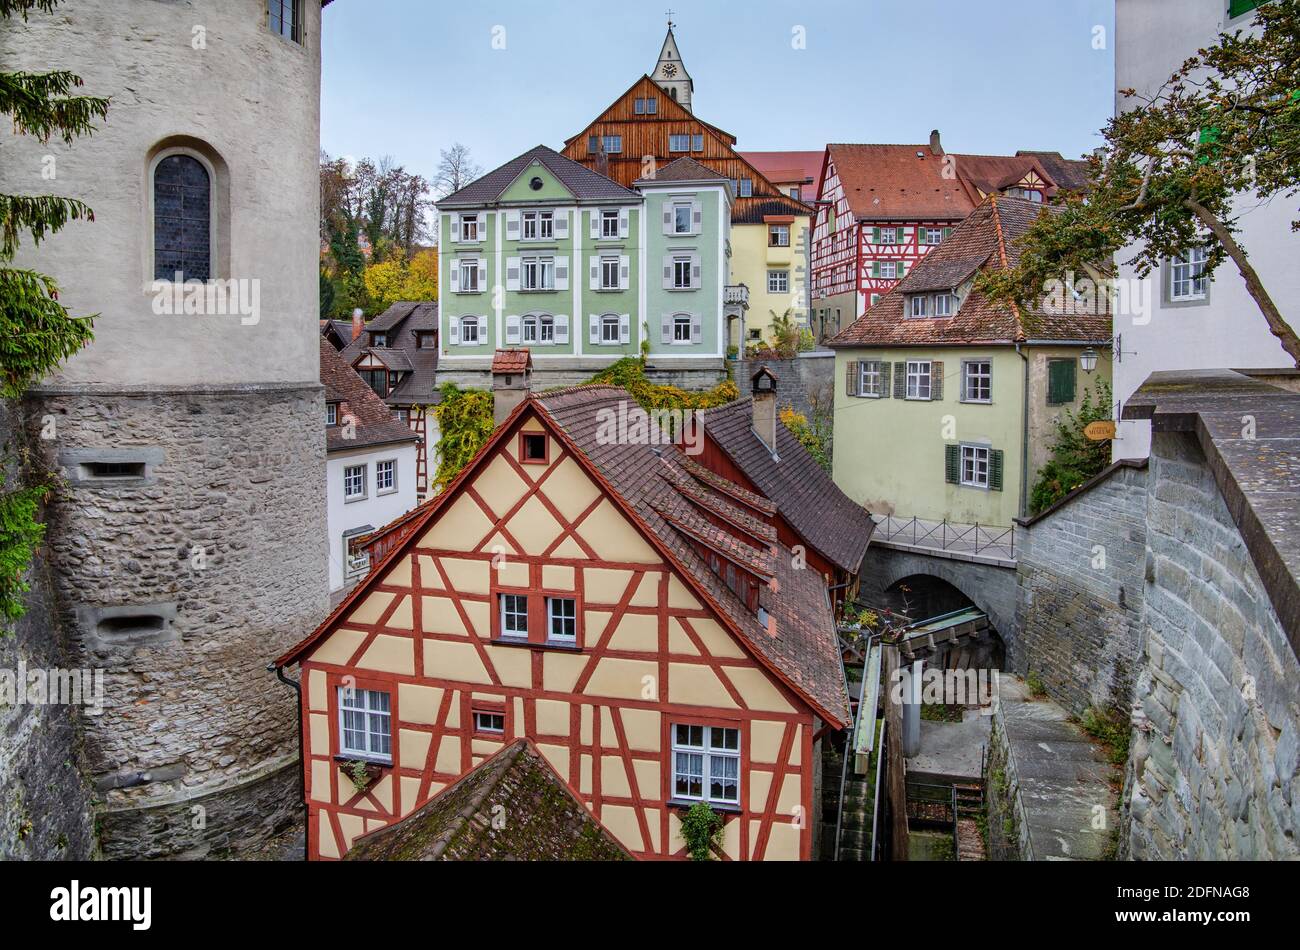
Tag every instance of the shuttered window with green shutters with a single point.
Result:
(952, 464)
(1060, 382)
(1237, 7)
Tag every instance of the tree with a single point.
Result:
(1178, 168)
(1075, 458)
(36, 331)
(456, 169)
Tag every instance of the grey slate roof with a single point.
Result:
(401, 322)
(684, 169)
(585, 184)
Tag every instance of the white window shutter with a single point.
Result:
(562, 225)
(482, 273)
(561, 329)
(512, 330)
(697, 217)
(697, 328)
(624, 272)
(455, 228)
(668, 272)
(482, 218)
(455, 275)
(595, 273)
(623, 219)
(561, 273)
(512, 273)
(594, 214)
(512, 225)
(666, 329)
(696, 280)
(482, 329)
(668, 218)
(593, 325)
(453, 331)
(624, 327)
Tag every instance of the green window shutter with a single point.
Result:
(952, 464)
(884, 380)
(875, 235)
(995, 469)
(936, 380)
(875, 268)
(898, 235)
(901, 270)
(947, 232)
(1238, 7)
(900, 380)
(1060, 382)
(851, 378)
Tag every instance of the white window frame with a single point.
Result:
(486, 714)
(984, 377)
(680, 321)
(678, 208)
(919, 382)
(375, 730)
(745, 187)
(380, 488)
(918, 306)
(510, 609)
(682, 265)
(971, 456)
(782, 234)
(609, 273)
(869, 378)
(545, 329)
(1194, 277)
(537, 273)
(609, 227)
(331, 413)
(687, 754)
(778, 281)
(613, 144)
(893, 270)
(607, 321)
(888, 236)
(467, 324)
(469, 275)
(350, 478)
(562, 614)
(934, 236)
(945, 305)
(468, 223)
(679, 139)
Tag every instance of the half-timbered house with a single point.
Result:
(582, 585)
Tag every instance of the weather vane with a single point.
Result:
(670, 19)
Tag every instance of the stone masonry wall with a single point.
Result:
(1079, 600)
(1214, 757)
(224, 541)
(804, 383)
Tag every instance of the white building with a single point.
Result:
(1195, 323)
(370, 465)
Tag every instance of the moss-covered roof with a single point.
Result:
(512, 807)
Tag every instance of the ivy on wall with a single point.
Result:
(629, 372)
(465, 424)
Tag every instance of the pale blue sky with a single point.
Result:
(408, 77)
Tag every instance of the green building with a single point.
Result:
(947, 400)
(547, 254)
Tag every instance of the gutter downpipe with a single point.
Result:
(1024, 435)
(302, 762)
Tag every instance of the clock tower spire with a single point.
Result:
(670, 73)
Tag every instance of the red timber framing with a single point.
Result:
(652, 651)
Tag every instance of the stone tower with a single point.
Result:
(188, 541)
(670, 72)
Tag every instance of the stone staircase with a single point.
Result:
(970, 806)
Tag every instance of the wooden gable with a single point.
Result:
(649, 653)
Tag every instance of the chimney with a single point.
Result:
(936, 146)
(764, 403)
(358, 322)
(512, 372)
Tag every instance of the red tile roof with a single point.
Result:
(988, 235)
(792, 168)
(376, 424)
(512, 361)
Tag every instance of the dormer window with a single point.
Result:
(426, 340)
(945, 305)
(919, 307)
(379, 339)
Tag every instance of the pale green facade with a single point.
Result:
(894, 455)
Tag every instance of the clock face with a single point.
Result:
(670, 69)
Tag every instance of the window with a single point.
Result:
(682, 273)
(697, 143)
(795, 193)
(887, 236)
(386, 477)
(875, 299)
(933, 235)
(365, 723)
(469, 227)
(977, 381)
(538, 225)
(918, 379)
(1060, 382)
(647, 106)
(182, 218)
(469, 330)
(975, 466)
(746, 187)
(284, 18)
(1187, 277)
(538, 273)
(609, 224)
(533, 447)
(778, 235)
(354, 482)
(426, 341)
(869, 378)
(514, 615)
(679, 143)
(492, 722)
(376, 379)
(403, 415)
(546, 326)
(469, 276)
(918, 306)
(682, 218)
(778, 281)
(609, 273)
(562, 619)
(609, 329)
(887, 269)
(706, 763)
(379, 339)
(331, 413)
(944, 305)
(682, 328)
(613, 143)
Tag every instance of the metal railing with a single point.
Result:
(945, 535)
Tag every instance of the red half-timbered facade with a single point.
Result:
(645, 629)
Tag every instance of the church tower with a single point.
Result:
(187, 539)
(670, 72)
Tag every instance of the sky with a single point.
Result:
(407, 78)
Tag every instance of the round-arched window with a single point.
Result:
(182, 219)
